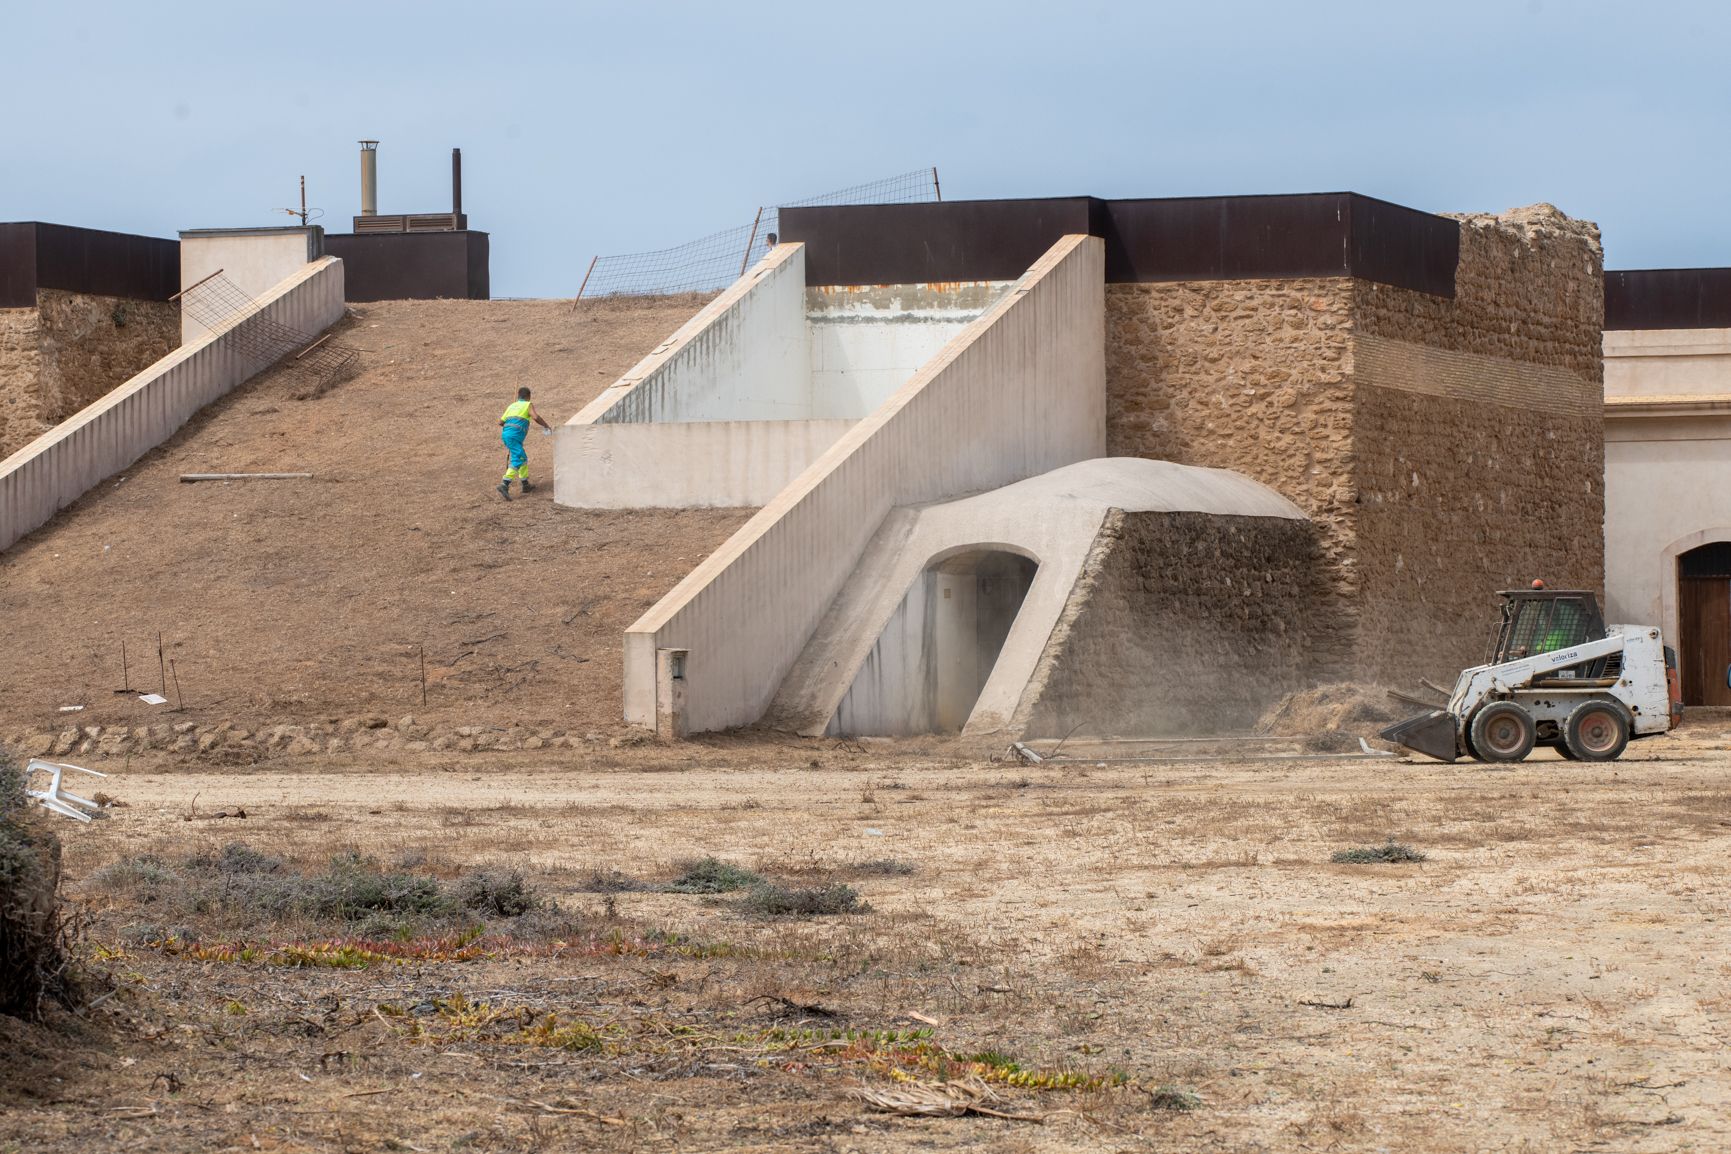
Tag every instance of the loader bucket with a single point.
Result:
(1430, 733)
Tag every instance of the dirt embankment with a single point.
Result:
(312, 602)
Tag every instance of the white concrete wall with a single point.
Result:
(1020, 391)
(1667, 464)
(101, 439)
(744, 357)
(868, 341)
(687, 464)
(254, 260)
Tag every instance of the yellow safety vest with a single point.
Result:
(516, 410)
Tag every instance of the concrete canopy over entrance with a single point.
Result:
(887, 659)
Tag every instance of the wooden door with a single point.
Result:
(1705, 649)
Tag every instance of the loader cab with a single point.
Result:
(1545, 620)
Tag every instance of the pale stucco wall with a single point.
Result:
(253, 260)
(1667, 464)
(1020, 391)
(101, 439)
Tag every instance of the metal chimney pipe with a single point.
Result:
(369, 178)
(457, 184)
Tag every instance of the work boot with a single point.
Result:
(527, 487)
(505, 489)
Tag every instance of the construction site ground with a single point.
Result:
(312, 601)
(1155, 956)
(1140, 956)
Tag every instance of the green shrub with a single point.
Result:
(712, 876)
(240, 884)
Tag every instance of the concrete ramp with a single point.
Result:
(972, 614)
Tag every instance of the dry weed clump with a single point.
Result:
(239, 886)
(777, 901)
(35, 963)
(1389, 852)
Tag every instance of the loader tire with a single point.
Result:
(1597, 731)
(1503, 731)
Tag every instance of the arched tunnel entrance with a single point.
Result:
(933, 658)
(977, 597)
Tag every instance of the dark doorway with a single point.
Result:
(975, 601)
(1704, 622)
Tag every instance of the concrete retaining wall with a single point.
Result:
(687, 464)
(743, 357)
(58, 467)
(1019, 392)
(867, 341)
(713, 417)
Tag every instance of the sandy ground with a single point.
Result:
(291, 601)
(1552, 977)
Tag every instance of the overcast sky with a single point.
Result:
(636, 125)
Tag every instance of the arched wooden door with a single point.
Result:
(1704, 621)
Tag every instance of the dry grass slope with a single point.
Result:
(297, 600)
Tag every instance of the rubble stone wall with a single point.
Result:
(70, 350)
(1478, 437)
(1251, 375)
(20, 372)
(1445, 448)
(1182, 624)
(92, 344)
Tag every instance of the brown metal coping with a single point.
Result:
(1148, 240)
(35, 255)
(1668, 298)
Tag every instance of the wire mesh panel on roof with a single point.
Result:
(711, 263)
(223, 309)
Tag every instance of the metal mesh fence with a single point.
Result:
(711, 263)
(223, 309)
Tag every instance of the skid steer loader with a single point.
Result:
(1557, 676)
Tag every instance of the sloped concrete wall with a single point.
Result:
(58, 467)
(743, 357)
(717, 416)
(1019, 392)
(1182, 624)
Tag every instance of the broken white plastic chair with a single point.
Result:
(55, 798)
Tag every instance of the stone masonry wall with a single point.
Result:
(1478, 440)
(1181, 624)
(20, 372)
(1251, 375)
(70, 350)
(1444, 448)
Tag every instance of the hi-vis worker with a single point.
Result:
(513, 427)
